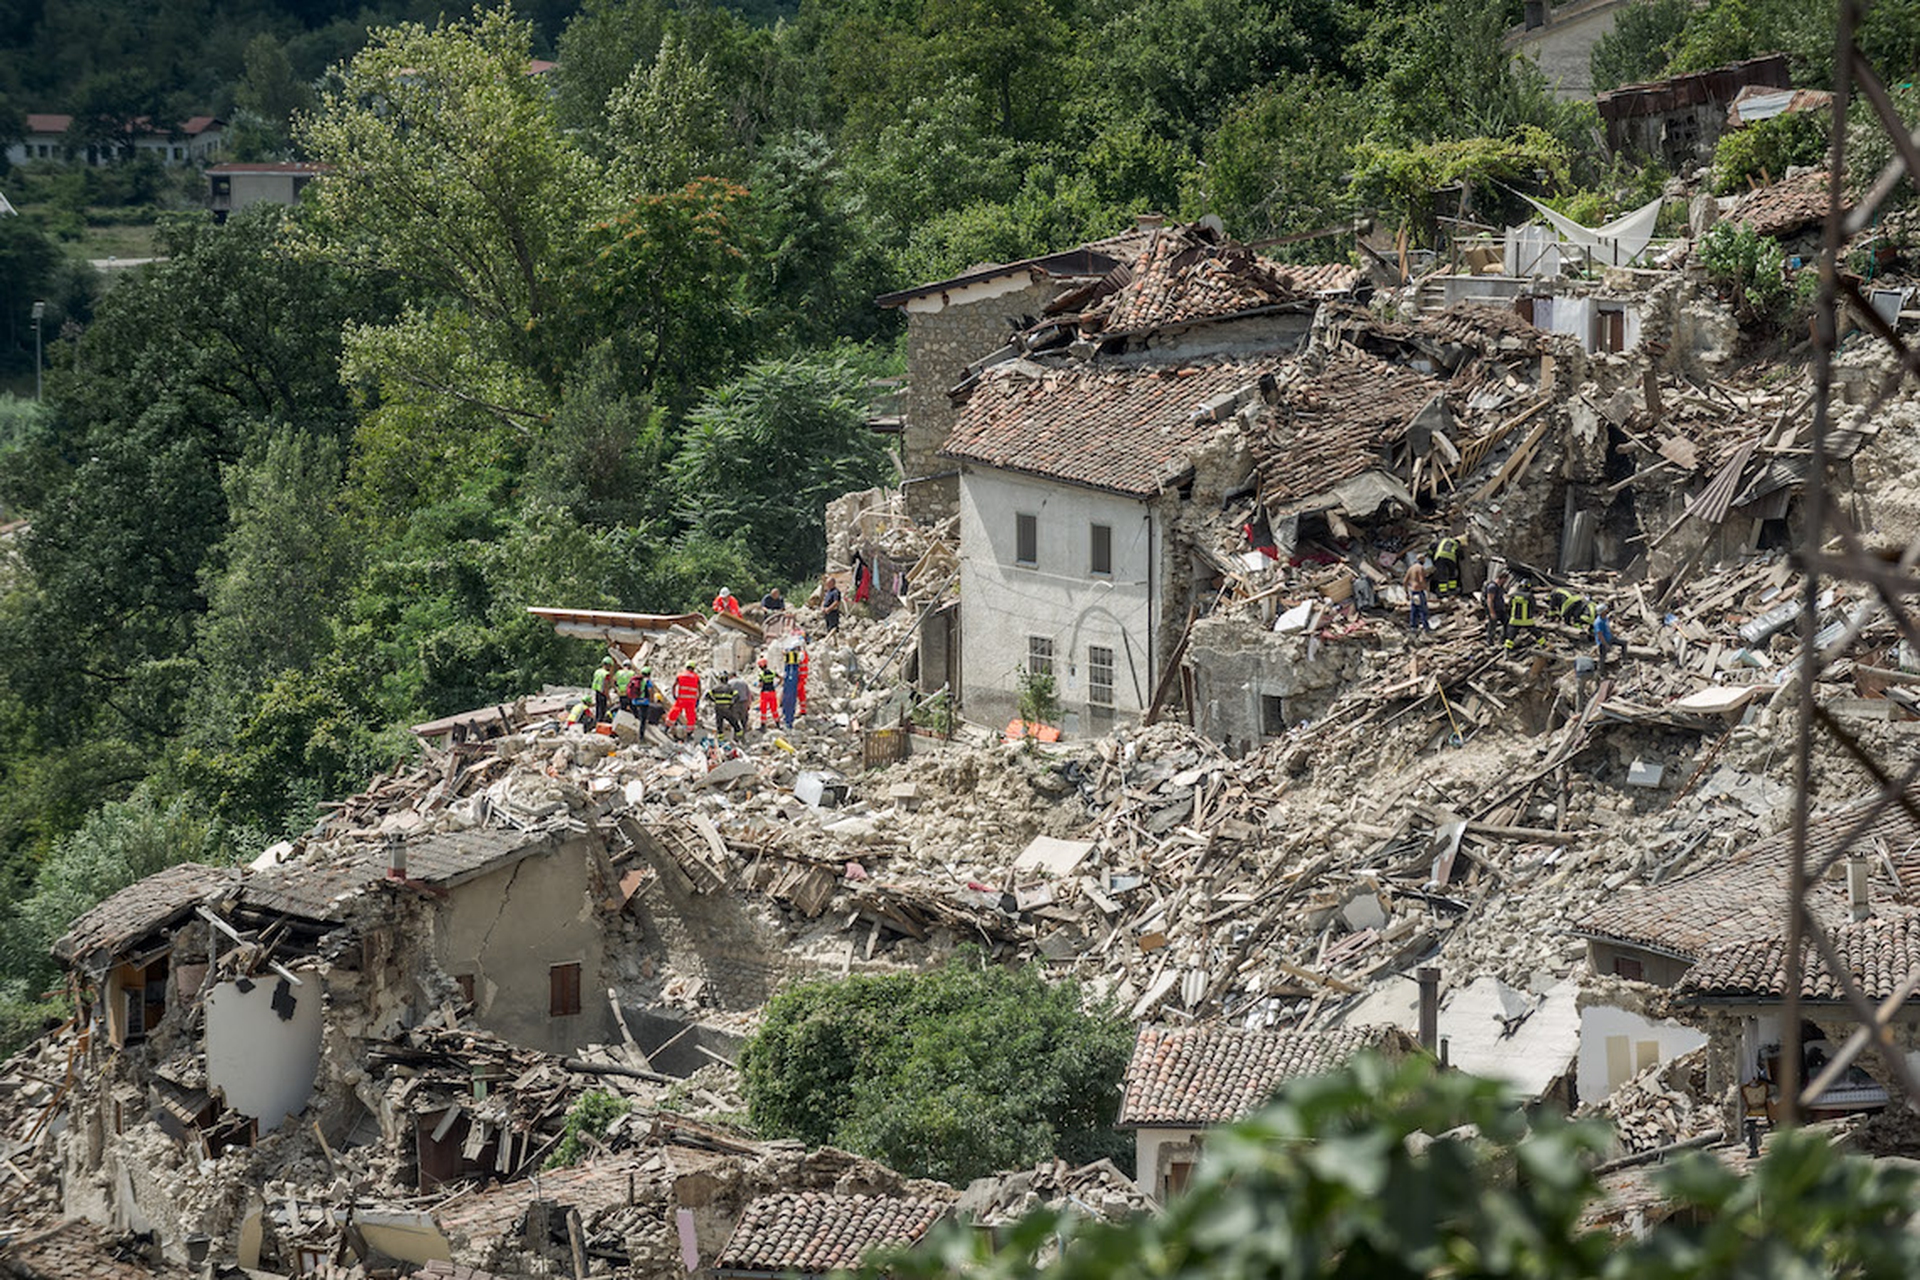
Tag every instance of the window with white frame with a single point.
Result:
(1099, 676)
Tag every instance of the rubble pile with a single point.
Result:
(1662, 1105)
(373, 1042)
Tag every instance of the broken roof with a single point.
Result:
(1186, 274)
(138, 910)
(1094, 258)
(77, 1250)
(1217, 1074)
(1335, 423)
(323, 890)
(1788, 205)
(812, 1232)
(1741, 900)
(1114, 429)
(1880, 953)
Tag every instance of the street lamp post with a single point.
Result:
(39, 310)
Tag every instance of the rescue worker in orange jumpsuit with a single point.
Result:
(686, 697)
(802, 691)
(769, 694)
(725, 603)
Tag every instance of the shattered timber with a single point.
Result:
(1277, 827)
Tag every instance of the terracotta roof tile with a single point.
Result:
(140, 909)
(1112, 429)
(812, 1233)
(77, 1250)
(1190, 273)
(1215, 1075)
(1788, 205)
(1741, 900)
(1334, 423)
(1880, 953)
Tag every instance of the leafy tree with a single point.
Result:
(266, 101)
(118, 844)
(1764, 151)
(1406, 179)
(604, 44)
(818, 270)
(1640, 43)
(1444, 73)
(1280, 161)
(766, 451)
(1173, 68)
(449, 171)
(601, 457)
(280, 572)
(671, 268)
(181, 368)
(667, 124)
(1385, 1171)
(949, 1074)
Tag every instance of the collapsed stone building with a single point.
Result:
(1272, 813)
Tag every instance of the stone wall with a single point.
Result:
(943, 338)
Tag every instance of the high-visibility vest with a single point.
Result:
(768, 680)
(1449, 549)
(793, 659)
(1520, 612)
(686, 685)
(721, 695)
(581, 711)
(602, 679)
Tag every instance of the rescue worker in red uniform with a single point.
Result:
(686, 697)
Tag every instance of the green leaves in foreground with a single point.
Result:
(1342, 1177)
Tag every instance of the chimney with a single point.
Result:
(1149, 221)
(1857, 902)
(396, 857)
(1429, 1008)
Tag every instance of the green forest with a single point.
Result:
(603, 336)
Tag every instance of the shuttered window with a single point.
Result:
(564, 987)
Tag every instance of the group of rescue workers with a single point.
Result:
(616, 688)
(1513, 613)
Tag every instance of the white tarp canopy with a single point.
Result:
(1616, 244)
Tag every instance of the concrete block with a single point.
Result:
(1642, 774)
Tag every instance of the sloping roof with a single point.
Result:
(1880, 953)
(138, 910)
(77, 1250)
(1187, 274)
(1717, 84)
(1742, 899)
(811, 1232)
(48, 122)
(1788, 205)
(1112, 429)
(194, 126)
(1763, 102)
(1334, 423)
(1215, 1074)
(1094, 258)
(326, 890)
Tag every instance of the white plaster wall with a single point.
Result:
(1003, 603)
(1599, 1022)
(263, 1060)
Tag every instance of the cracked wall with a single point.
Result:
(510, 928)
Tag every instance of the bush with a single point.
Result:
(588, 1119)
(1752, 268)
(1766, 150)
(950, 1074)
(1402, 1171)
